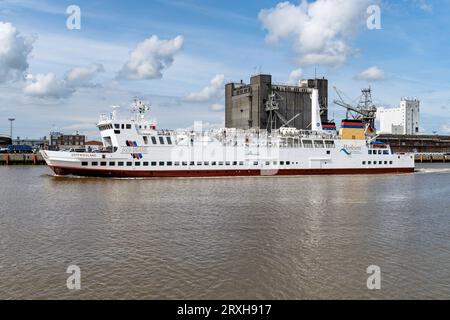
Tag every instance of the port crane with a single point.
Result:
(365, 110)
(273, 107)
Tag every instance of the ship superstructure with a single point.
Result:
(136, 148)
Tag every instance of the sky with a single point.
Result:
(178, 55)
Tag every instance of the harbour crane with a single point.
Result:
(273, 107)
(365, 110)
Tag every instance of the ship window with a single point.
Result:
(177, 164)
(267, 163)
(94, 164)
(380, 162)
(103, 164)
(234, 163)
(161, 164)
(137, 164)
(192, 163)
(385, 162)
(112, 164)
(213, 163)
(364, 163)
(241, 163)
(84, 164)
(370, 151)
(123, 126)
(329, 144)
(128, 126)
(117, 131)
(307, 143)
(390, 162)
(199, 163)
(161, 140)
(370, 162)
(169, 140)
(255, 163)
(228, 163)
(153, 164)
(145, 164)
(120, 164)
(206, 163)
(385, 151)
(129, 164)
(154, 140)
(169, 163)
(275, 163)
(117, 126)
(184, 164)
(288, 163)
(281, 163)
(318, 143)
(221, 163)
(145, 139)
(380, 152)
(328, 152)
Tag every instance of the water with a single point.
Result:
(235, 238)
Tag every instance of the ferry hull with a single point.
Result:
(65, 171)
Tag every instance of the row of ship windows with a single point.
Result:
(116, 126)
(379, 152)
(192, 163)
(160, 139)
(376, 162)
(295, 142)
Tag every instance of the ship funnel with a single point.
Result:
(316, 122)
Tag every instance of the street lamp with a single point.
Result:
(11, 127)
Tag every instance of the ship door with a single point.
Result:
(315, 164)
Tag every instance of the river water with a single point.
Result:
(233, 238)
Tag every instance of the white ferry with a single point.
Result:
(136, 148)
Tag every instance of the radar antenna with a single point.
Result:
(140, 108)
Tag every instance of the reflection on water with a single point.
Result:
(257, 238)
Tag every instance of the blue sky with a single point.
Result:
(411, 54)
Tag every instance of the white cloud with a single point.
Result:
(14, 53)
(217, 107)
(320, 30)
(423, 5)
(372, 73)
(214, 90)
(81, 76)
(47, 86)
(295, 76)
(150, 58)
(445, 128)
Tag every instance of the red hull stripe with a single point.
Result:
(63, 171)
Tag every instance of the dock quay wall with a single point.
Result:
(21, 159)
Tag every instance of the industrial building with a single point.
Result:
(262, 104)
(65, 141)
(403, 120)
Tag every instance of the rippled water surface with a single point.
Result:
(242, 238)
